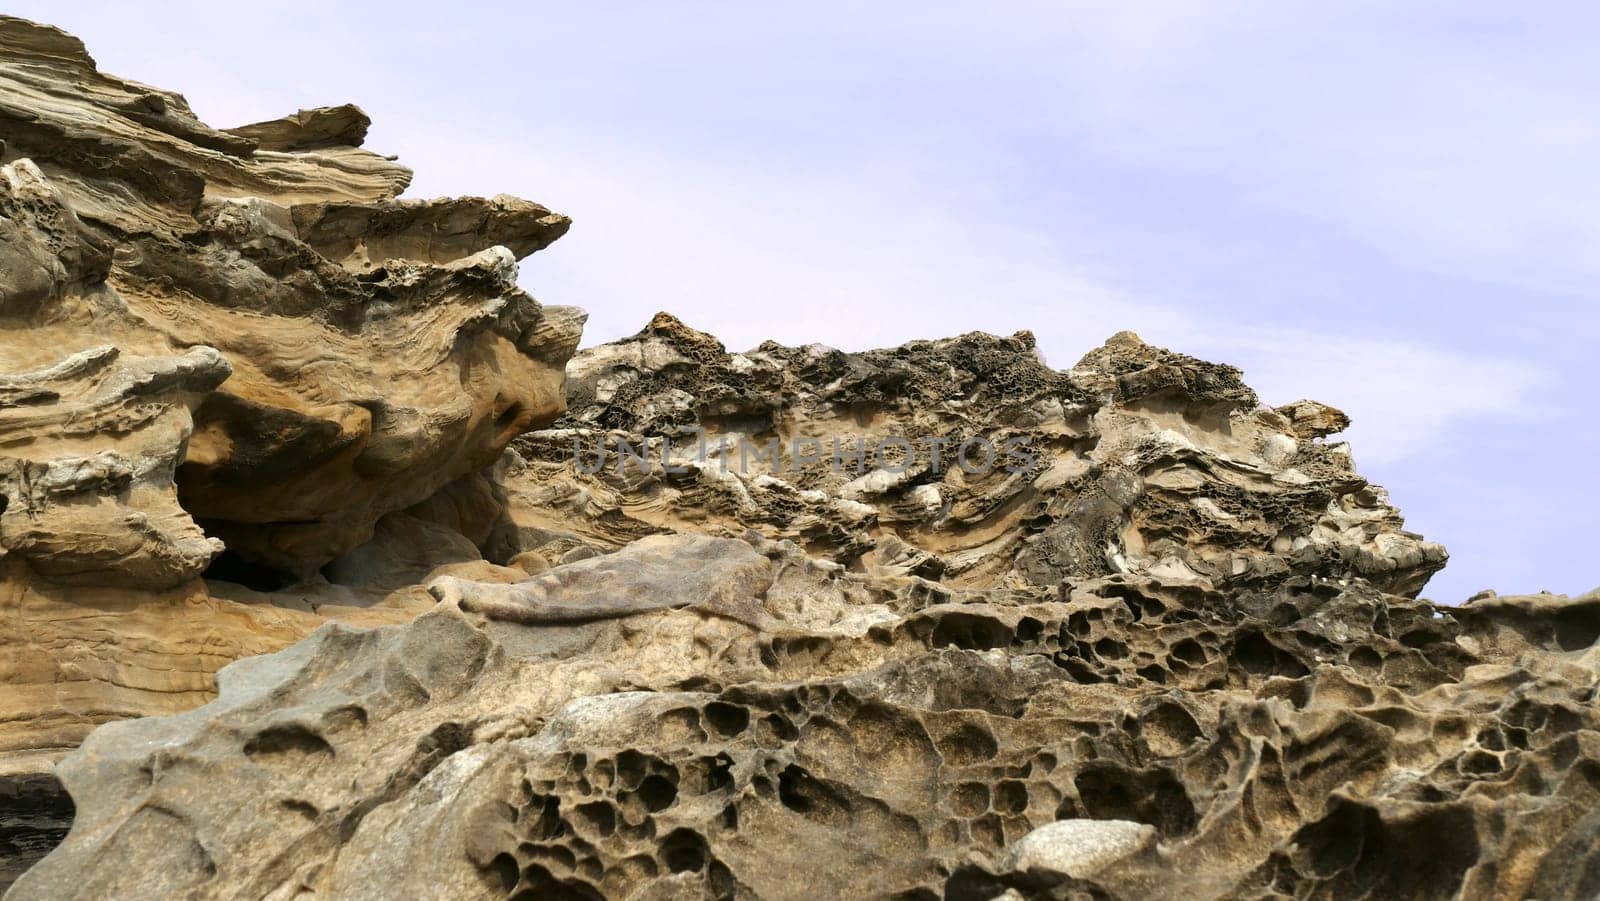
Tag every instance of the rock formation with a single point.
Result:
(225, 354)
(931, 621)
(967, 460)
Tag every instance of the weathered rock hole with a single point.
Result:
(657, 792)
(719, 773)
(230, 566)
(970, 799)
(1365, 657)
(804, 794)
(970, 633)
(1357, 854)
(1011, 797)
(596, 817)
(726, 720)
(630, 871)
(1575, 629)
(681, 726)
(721, 881)
(1189, 651)
(287, 741)
(1154, 673)
(549, 824)
(1078, 668)
(684, 851)
(1419, 638)
(508, 417)
(631, 769)
(1478, 763)
(780, 728)
(1168, 728)
(551, 854)
(1143, 607)
(1029, 630)
(350, 716)
(304, 809)
(503, 873)
(1110, 649)
(988, 831)
(967, 744)
(543, 885)
(1284, 615)
(1110, 793)
(1260, 657)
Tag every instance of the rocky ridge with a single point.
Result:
(669, 621)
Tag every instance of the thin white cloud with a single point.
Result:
(1441, 133)
(1402, 395)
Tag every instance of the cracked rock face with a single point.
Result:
(730, 625)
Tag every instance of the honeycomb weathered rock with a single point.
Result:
(824, 733)
(1165, 644)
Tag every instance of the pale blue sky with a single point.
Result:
(1392, 208)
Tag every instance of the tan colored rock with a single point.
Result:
(238, 355)
(1310, 419)
(88, 448)
(1166, 646)
(379, 348)
(657, 573)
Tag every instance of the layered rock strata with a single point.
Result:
(226, 355)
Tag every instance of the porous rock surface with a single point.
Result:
(1167, 645)
(1177, 653)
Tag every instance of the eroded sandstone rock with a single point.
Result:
(785, 683)
(1173, 649)
(858, 735)
(230, 354)
(379, 348)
